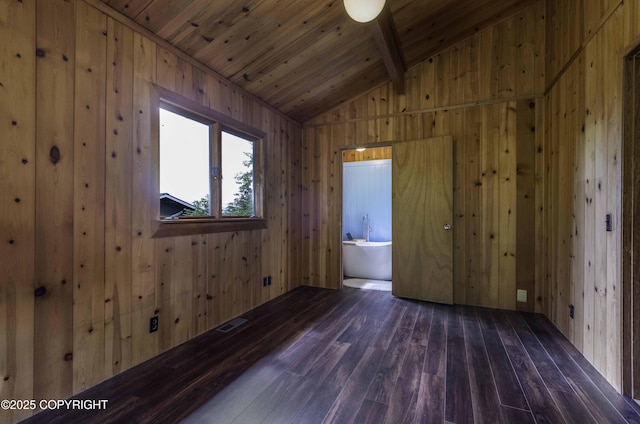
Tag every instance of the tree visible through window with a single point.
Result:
(242, 204)
(205, 170)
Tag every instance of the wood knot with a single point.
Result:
(40, 291)
(40, 53)
(68, 356)
(54, 154)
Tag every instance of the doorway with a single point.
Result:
(419, 193)
(366, 217)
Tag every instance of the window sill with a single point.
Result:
(174, 228)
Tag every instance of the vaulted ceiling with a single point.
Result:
(306, 56)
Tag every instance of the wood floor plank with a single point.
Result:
(514, 415)
(311, 384)
(508, 386)
(458, 391)
(571, 362)
(314, 355)
(436, 363)
(385, 335)
(353, 393)
(225, 406)
(269, 399)
(411, 314)
(371, 412)
(381, 388)
(540, 400)
(334, 315)
(547, 369)
(572, 408)
(367, 321)
(404, 399)
(484, 396)
(420, 333)
(431, 398)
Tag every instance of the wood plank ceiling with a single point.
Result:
(306, 56)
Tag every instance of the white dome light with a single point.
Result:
(363, 10)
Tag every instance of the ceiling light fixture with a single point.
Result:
(363, 10)
(361, 149)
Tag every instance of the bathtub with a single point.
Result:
(367, 259)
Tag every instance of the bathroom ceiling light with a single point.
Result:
(363, 10)
(361, 149)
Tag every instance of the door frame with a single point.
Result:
(341, 194)
(631, 225)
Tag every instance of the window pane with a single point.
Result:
(184, 166)
(237, 176)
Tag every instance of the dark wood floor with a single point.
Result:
(314, 356)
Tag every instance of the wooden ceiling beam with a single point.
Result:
(384, 33)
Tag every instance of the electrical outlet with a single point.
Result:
(269, 280)
(153, 324)
(521, 296)
(264, 282)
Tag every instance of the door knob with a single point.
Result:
(447, 227)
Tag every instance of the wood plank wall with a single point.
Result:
(375, 153)
(81, 275)
(18, 199)
(487, 92)
(583, 142)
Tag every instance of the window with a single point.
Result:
(210, 170)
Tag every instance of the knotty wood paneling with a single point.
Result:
(89, 206)
(142, 246)
(503, 61)
(374, 153)
(570, 26)
(78, 185)
(17, 201)
(470, 92)
(584, 137)
(305, 57)
(563, 34)
(525, 199)
(485, 198)
(118, 198)
(54, 200)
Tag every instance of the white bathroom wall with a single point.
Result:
(366, 189)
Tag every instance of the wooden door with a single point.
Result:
(422, 189)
